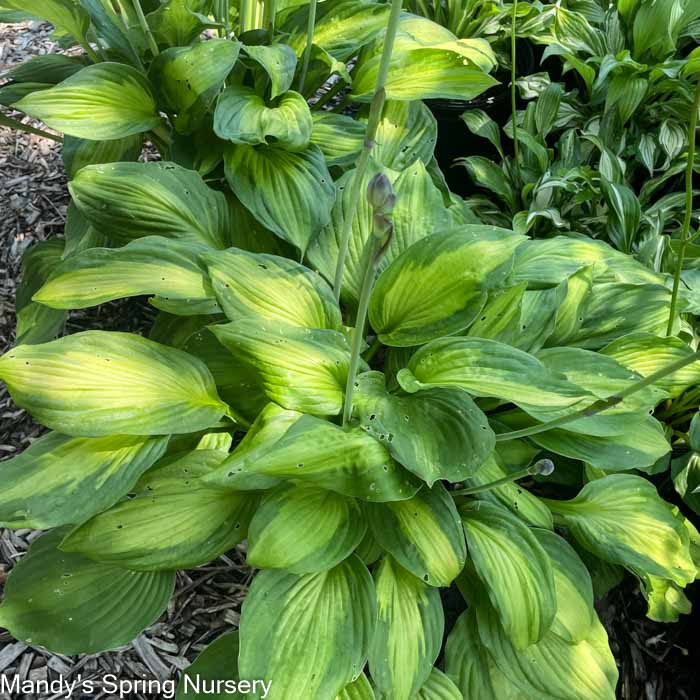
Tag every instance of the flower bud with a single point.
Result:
(543, 467)
(380, 194)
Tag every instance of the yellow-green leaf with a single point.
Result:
(409, 631)
(102, 101)
(310, 633)
(105, 383)
(60, 480)
(304, 529)
(423, 534)
(439, 285)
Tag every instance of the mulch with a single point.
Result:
(657, 662)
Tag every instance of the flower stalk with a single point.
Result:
(146, 29)
(309, 42)
(375, 115)
(543, 467)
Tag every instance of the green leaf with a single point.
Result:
(487, 368)
(439, 285)
(311, 633)
(289, 193)
(360, 689)
(188, 79)
(60, 480)
(485, 173)
(170, 520)
(514, 568)
(480, 124)
(104, 383)
(441, 71)
(419, 212)
(279, 62)
(665, 600)
(500, 316)
(436, 434)
(175, 22)
(271, 287)
(470, 666)
(55, 599)
(625, 94)
(117, 30)
(574, 589)
(63, 14)
(152, 265)
(622, 520)
(624, 214)
(318, 453)
(304, 529)
(217, 663)
(438, 687)
(409, 631)
(132, 200)
(77, 153)
(686, 477)
(298, 368)
(102, 101)
(510, 495)
(423, 534)
(242, 116)
(339, 137)
(552, 668)
(547, 109)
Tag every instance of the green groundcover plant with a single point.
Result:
(380, 395)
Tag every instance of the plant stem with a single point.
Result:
(20, 126)
(146, 29)
(309, 41)
(372, 349)
(375, 115)
(685, 229)
(271, 9)
(371, 256)
(493, 484)
(513, 75)
(602, 404)
(89, 51)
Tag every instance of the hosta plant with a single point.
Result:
(378, 462)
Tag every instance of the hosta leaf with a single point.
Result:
(133, 200)
(665, 600)
(436, 434)
(624, 213)
(102, 101)
(439, 285)
(257, 285)
(289, 193)
(242, 116)
(515, 570)
(470, 666)
(423, 534)
(176, 22)
(487, 174)
(438, 686)
(499, 318)
(63, 14)
(409, 631)
(639, 446)
(407, 132)
(51, 68)
(489, 368)
(279, 62)
(510, 495)
(360, 689)
(339, 137)
(419, 211)
(104, 383)
(77, 153)
(151, 265)
(304, 530)
(574, 589)
(622, 520)
(189, 79)
(298, 368)
(60, 480)
(645, 354)
(311, 632)
(118, 30)
(171, 519)
(341, 27)
(553, 668)
(72, 605)
(217, 663)
(318, 453)
(422, 73)
(569, 313)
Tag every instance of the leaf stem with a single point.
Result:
(21, 126)
(309, 41)
(375, 115)
(685, 229)
(513, 75)
(92, 55)
(146, 29)
(602, 404)
(543, 466)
